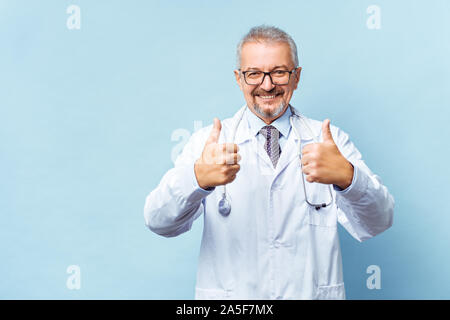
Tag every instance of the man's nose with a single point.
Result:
(267, 84)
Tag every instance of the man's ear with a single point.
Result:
(297, 76)
(238, 78)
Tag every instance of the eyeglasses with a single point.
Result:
(278, 77)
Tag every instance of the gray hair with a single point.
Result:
(268, 34)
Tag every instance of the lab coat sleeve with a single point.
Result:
(366, 207)
(177, 201)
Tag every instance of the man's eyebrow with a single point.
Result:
(276, 67)
(252, 69)
(282, 66)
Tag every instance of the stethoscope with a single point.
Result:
(224, 204)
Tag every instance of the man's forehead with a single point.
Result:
(266, 55)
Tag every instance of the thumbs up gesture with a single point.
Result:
(324, 163)
(218, 164)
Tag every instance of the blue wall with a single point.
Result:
(89, 119)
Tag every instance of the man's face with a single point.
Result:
(267, 101)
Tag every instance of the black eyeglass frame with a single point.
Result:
(267, 74)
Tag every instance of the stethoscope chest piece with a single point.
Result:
(224, 206)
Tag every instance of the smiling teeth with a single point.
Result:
(267, 97)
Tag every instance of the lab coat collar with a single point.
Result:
(304, 131)
(243, 133)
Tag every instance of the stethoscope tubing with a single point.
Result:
(317, 206)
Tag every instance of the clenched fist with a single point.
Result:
(324, 163)
(218, 164)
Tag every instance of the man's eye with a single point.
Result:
(278, 72)
(254, 74)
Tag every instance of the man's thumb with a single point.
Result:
(326, 132)
(215, 132)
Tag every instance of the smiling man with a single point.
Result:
(272, 186)
(267, 96)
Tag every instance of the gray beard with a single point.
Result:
(273, 114)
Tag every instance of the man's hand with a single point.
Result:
(324, 163)
(218, 163)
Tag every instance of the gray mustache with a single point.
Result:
(269, 93)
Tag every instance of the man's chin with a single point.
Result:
(269, 111)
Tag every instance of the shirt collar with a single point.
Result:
(244, 134)
(282, 123)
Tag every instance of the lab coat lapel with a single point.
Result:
(287, 155)
(243, 136)
(290, 151)
(243, 132)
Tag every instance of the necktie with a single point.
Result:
(271, 145)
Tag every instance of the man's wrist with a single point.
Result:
(347, 176)
(199, 182)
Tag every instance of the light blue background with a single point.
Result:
(86, 119)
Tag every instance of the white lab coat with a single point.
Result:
(273, 245)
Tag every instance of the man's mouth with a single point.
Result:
(267, 97)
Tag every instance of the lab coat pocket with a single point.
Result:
(317, 193)
(324, 217)
(334, 292)
(212, 294)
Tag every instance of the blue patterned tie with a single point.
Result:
(272, 145)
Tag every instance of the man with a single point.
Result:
(271, 233)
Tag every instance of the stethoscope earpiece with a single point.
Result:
(323, 205)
